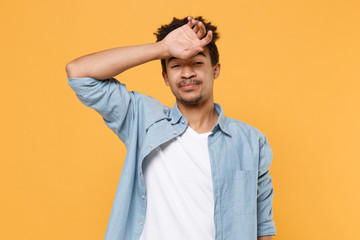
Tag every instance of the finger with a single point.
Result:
(202, 30)
(191, 52)
(189, 21)
(194, 23)
(196, 29)
(207, 39)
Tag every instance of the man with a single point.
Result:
(190, 172)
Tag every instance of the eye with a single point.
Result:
(175, 66)
(198, 63)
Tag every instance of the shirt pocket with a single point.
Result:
(239, 191)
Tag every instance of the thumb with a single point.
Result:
(199, 49)
(193, 52)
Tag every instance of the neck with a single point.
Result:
(202, 117)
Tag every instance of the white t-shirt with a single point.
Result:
(179, 190)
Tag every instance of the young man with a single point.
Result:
(190, 172)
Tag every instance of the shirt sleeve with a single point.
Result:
(110, 99)
(265, 192)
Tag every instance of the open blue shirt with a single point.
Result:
(240, 158)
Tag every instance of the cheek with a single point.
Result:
(174, 79)
(172, 76)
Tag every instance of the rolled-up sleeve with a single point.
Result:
(265, 192)
(109, 98)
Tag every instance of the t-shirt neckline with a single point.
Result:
(201, 135)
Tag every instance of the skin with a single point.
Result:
(182, 43)
(189, 75)
(265, 238)
(191, 81)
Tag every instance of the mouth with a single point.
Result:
(188, 84)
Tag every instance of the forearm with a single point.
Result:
(183, 42)
(111, 62)
(265, 238)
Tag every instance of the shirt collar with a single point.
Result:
(175, 114)
(221, 123)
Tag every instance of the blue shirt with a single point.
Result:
(240, 158)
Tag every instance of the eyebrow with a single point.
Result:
(199, 53)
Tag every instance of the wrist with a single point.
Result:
(163, 50)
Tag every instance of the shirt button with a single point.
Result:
(151, 146)
(140, 222)
(182, 120)
(143, 196)
(174, 132)
(140, 170)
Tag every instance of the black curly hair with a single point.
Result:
(164, 30)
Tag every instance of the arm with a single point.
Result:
(265, 238)
(111, 62)
(182, 42)
(109, 97)
(265, 192)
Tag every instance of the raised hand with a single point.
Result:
(185, 41)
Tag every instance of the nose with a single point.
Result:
(187, 72)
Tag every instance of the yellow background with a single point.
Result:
(289, 68)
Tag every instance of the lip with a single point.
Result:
(189, 86)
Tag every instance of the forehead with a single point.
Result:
(204, 53)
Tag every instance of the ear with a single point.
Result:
(216, 69)
(164, 74)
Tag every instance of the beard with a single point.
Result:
(191, 101)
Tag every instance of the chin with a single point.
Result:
(190, 101)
